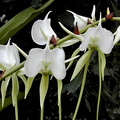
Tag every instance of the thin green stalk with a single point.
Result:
(116, 19)
(16, 110)
(60, 111)
(81, 90)
(100, 87)
(42, 114)
(59, 83)
(12, 70)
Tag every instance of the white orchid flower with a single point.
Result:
(117, 35)
(79, 23)
(99, 37)
(80, 20)
(9, 56)
(42, 31)
(46, 60)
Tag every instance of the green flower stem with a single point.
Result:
(12, 70)
(81, 90)
(42, 114)
(16, 110)
(60, 111)
(116, 19)
(100, 87)
(59, 83)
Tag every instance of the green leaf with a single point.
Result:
(19, 21)
(43, 89)
(81, 62)
(87, 103)
(8, 100)
(74, 84)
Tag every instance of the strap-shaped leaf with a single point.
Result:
(19, 21)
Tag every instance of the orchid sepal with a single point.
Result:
(43, 89)
(80, 20)
(42, 31)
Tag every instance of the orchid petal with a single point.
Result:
(33, 64)
(87, 38)
(9, 55)
(16, 55)
(105, 42)
(57, 66)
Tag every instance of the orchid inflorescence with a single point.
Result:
(50, 61)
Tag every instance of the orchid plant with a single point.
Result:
(50, 61)
(8, 60)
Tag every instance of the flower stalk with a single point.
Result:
(81, 90)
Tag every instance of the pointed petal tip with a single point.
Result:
(46, 17)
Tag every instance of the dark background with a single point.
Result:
(110, 100)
